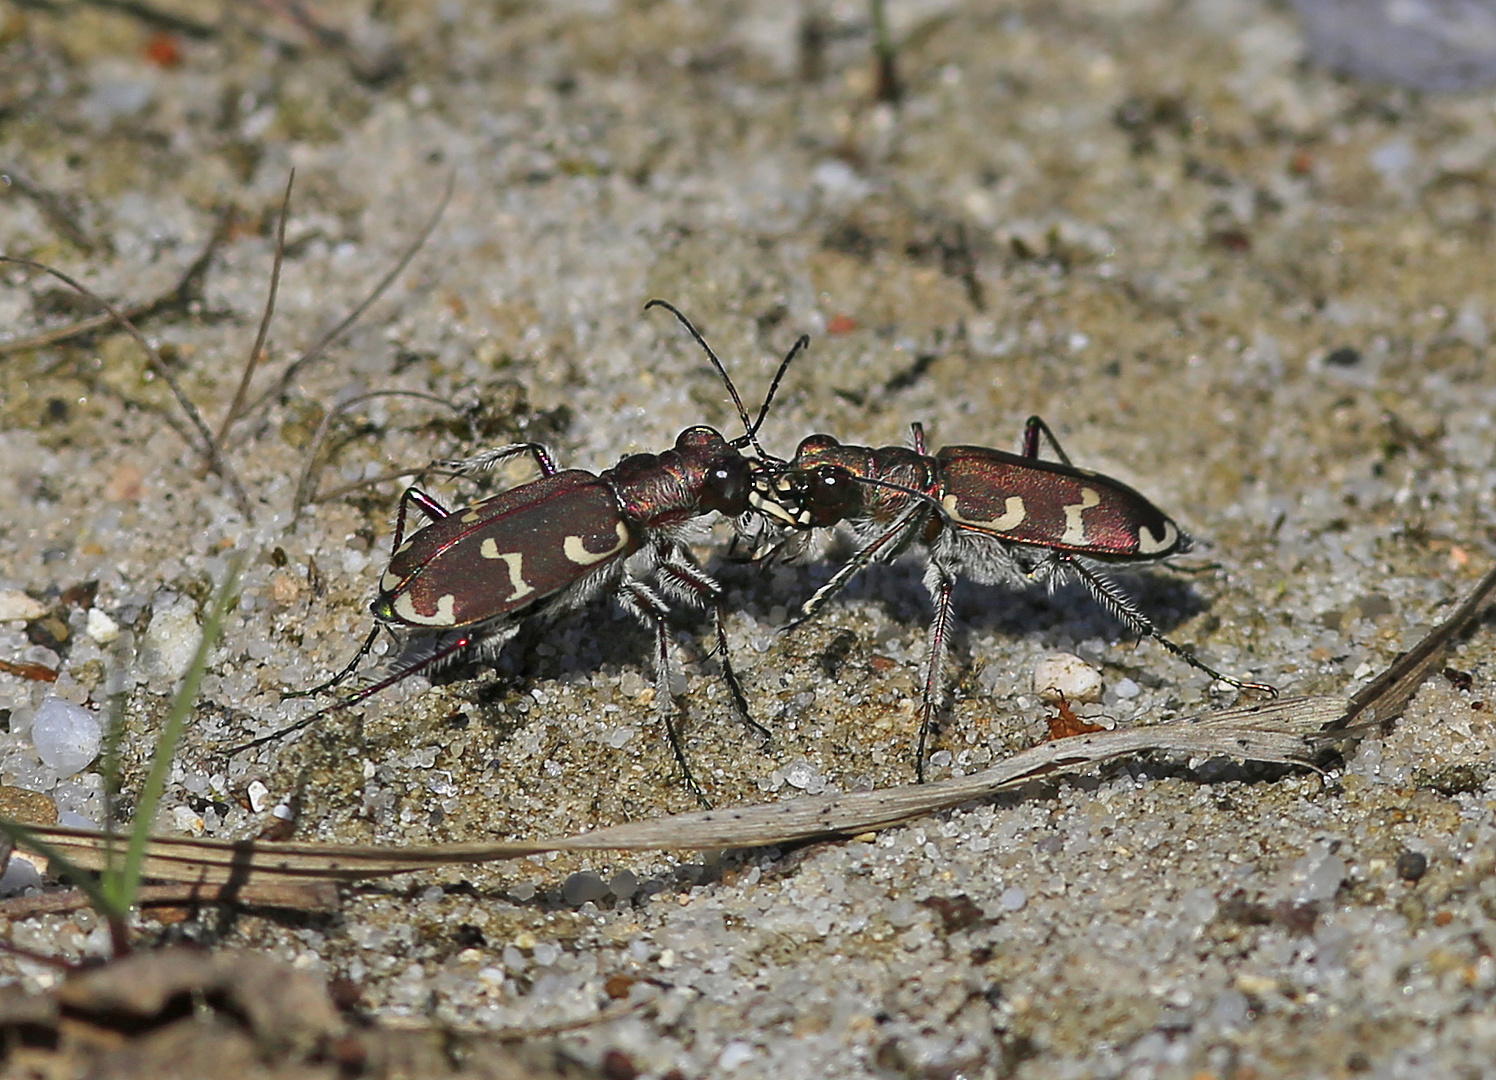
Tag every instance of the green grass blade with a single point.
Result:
(126, 884)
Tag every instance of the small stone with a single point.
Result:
(582, 887)
(1322, 880)
(1065, 674)
(27, 807)
(16, 606)
(126, 483)
(24, 771)
(735, 1054)
(187, 820)
(67, 737)
(624, 884)
(257, 793)
(1013, 898)
(1412, 865)
(171, 640)
(118, 89)
(101, 628)
(803, 775)
(20, 875)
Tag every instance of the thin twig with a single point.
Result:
(217, 462)
(258, 350)
(53, 207)
(1272, 731)
(187, 289)
(165, 20)
(315, 352)
(314, 896)
(1385, 697)
(394, 474)
(306, 488)
(1284, 730)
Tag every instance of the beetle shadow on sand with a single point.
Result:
(1007, 609)
(573, 645)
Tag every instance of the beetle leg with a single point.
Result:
(437, 658)
(680, 574)
(1031, 432)
(433, 510)
(902, 531)
(1121, 606)
(639, 600)
(363, 651)
(940, 580)
(487, 459)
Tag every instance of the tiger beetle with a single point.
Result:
(986, 514)
(472, 577)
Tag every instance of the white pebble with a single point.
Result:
(172, 639)
(17, 606)
(735, 1054)
(66, 736)
(1126, 689)
(1013, 898)
(187, 820)
(1065, 673)
(803, 775)
(257, 793)
(1321, 881)
(101, 627)
(20, 719)
(23, 771)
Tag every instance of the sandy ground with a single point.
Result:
(1254, 291)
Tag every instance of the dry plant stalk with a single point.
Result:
(1273, 731)
(1285, 730)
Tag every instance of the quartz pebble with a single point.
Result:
(624, 884)
(582, 887)
(20, 874)
(17, 606)
(171, 640)
(1065, 674)
(101, 628)
(257, 793)
(66, 736)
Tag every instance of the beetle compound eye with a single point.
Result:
(832, 494)
(726, 486)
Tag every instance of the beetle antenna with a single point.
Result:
(748, 427)
(914, 493)
(784, 365)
